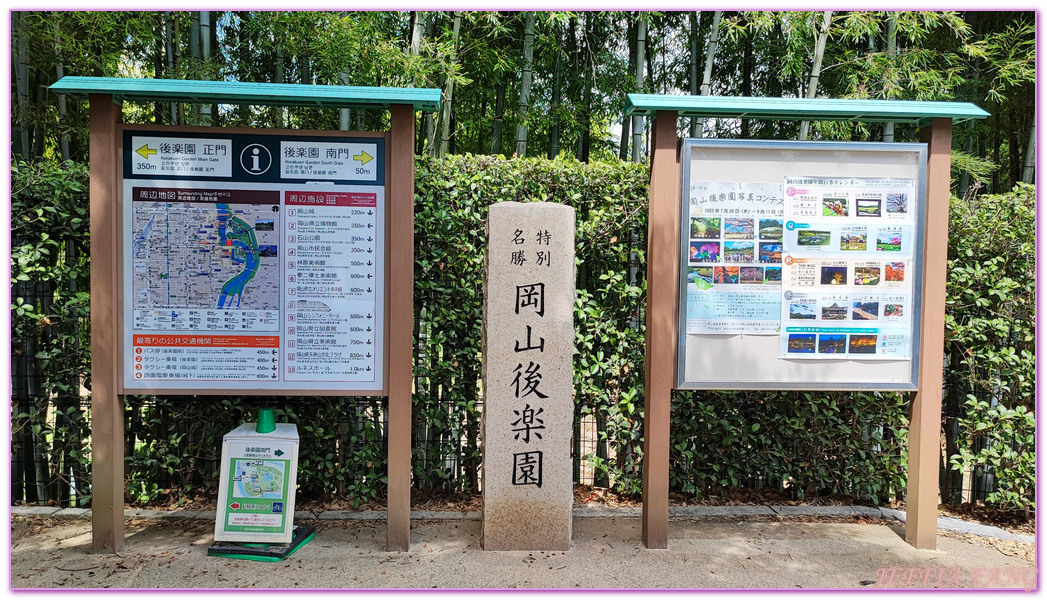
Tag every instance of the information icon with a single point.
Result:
(255, 159)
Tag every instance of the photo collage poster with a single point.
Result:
(734, 258)
(847, 268)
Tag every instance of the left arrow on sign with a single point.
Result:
(146, 151)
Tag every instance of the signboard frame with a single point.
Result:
(245, 387)
(105, 97)
(935, 123)
(862, 375)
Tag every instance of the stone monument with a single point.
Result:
(528, 342)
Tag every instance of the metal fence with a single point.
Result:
(173, 443)
(47, 468)
(156, 430)
(50, 435)
(48, 431)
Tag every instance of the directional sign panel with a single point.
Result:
(253, 263)
(337, 161)
(155, 155)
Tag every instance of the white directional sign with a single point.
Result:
(337, 161)
(154, 155)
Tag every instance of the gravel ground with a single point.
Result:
(775, 552)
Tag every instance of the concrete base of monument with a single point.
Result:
(514, 528)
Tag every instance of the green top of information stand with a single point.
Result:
(235, 92)
(808, 109)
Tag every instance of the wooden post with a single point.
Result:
(921, 524)
(400, 253)
(663, 233)
(107, 407)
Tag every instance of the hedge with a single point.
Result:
(803, 444)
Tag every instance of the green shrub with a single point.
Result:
(50, 343)
(1009, 452)
(990, 334)
(809, 444)
(990, 318)
(451, 196)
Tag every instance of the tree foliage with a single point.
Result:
(582, 70)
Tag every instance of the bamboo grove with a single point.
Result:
(546, 83)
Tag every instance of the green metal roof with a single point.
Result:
(233, 92)
(808, 109)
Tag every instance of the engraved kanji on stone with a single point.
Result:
(527, 422)
(532, 294)
(527, 468)
(532, 377)
(530, 346)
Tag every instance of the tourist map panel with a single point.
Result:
(253, 262)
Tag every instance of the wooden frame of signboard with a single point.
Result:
(105, 95)
(663, 280)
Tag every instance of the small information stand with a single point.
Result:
(257, 485)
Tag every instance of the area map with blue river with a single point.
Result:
(237, 235)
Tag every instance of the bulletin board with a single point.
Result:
(800, 265)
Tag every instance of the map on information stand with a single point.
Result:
(259, 478)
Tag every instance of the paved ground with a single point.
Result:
(724, 547)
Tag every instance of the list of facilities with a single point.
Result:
(331, 281)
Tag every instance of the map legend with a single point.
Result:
(213, 319)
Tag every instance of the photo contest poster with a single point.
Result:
(734, 258)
